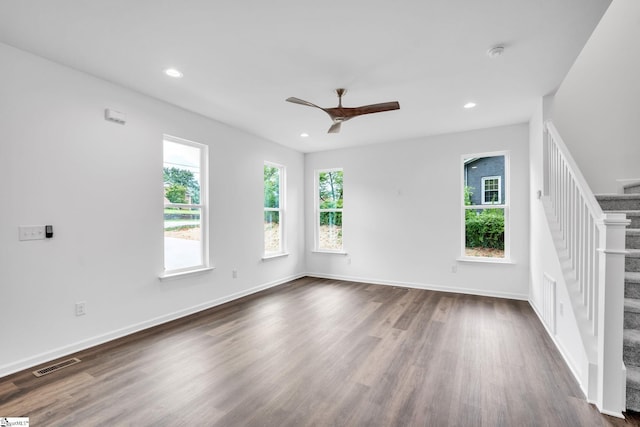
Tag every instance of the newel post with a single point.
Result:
(611, 374)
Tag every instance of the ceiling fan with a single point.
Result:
(341, 114)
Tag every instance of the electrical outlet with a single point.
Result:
(561, 309)
(454, 268)
(234, 274)
(81, 308)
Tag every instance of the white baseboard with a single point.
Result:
(425, 286)
(611, 413)
(119, 333)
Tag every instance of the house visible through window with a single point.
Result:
(329, 203)
(273, 209)
(185, 205)
(485, 207)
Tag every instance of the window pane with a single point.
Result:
(484, 179)
(272, 232)
(491, 184)
(484, 232)
(181, 173)
(271, 187)
(330, 190)
(330, 232)
(182, 238)
(491, 197)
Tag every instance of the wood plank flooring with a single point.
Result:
(317, 352)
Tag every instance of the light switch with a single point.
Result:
(31, 232)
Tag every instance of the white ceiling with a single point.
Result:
(242, 59)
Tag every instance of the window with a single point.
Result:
(329, 202)
(491, 193)
(485, 207)
(274, 184)
(185, 205)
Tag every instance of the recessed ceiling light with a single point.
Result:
(172, 72)
(304, 135)
(469, 105)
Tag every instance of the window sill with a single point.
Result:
(486, 260)
(316, 251)
(272, 256)
(166, 276)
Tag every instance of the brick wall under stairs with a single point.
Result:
(629, 203)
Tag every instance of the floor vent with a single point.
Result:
(56, 367)
(549, 303)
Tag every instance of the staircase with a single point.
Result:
(591, 246)
(629, 203)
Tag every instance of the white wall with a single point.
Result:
(597, 108)
(402, 219)
(100, 185)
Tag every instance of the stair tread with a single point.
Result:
(633, 253)
(628, 212)
(632, 305)
(629, 196)
(633, 377)
(632, 276)
(631, 335)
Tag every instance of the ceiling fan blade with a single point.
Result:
(373, 108)
(302, 102)
(335, 128)
(346, 113)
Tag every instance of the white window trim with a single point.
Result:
(176, 275)
(281, 210)
(484, 190)
(325, 251)
(318, 211)
(275, 255)
(203, 206)
(505, 206)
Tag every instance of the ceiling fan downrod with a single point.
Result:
(340, 92)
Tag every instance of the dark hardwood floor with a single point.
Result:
(317, 352)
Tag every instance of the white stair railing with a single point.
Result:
(592, 245)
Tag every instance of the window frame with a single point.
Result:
(319, 211)
(484, 189)
(203, 206)
(504, 205)
(281, 209)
